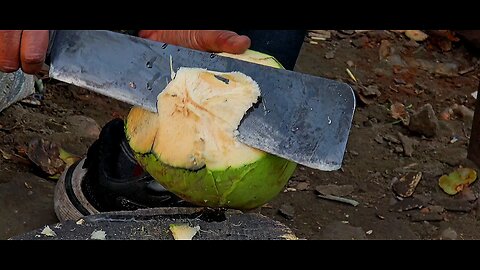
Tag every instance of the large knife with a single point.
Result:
(302, 118)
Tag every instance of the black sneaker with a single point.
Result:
(109, 179)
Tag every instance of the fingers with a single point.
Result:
(205, 40)
(10, 50)
(33, 50)
(220, 41)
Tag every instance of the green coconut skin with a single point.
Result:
(240, 188)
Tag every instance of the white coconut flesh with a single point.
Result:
(198, 115)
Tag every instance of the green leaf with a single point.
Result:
(457, 180)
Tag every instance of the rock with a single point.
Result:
(391, 138)
(55, 126)
(379, 35)
(335, 190)
(385, 49)
(412, 44)
(407, 144)
(436, 209)
(350, 63)
(424, 121)
(360, 42)
(455, 205)
(354, 153)
(347, 32)
(287, 211)
(453, 156)
(398, 149)
(467, 194)
(448, 234)
(371, 90)
(446, 69)
(396, 60)
(462, 111)
(378, 139)
(330, 55)
(302, 186)
(380, 72)
(407, 204)
(83, 126)
(420, 217)
(399, 81)
(340, 231)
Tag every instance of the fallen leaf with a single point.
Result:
(46, 155)
(416, 35)
(399, 112)
(183, 231)
(67, 157)
(457, 180)
(407, 184)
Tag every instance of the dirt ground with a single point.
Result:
(388, 67)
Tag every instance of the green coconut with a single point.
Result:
(191, 148)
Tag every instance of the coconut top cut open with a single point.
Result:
(198, 115)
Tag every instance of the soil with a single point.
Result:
(410, 73)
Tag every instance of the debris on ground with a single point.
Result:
(399, 112)
(457, 180)
(48, 232)
(287, 211)
(49, 157)
(407, 184)
(341, 231)
(321, 35)
(339, 199)
(424, 121)
(407, 144)
(302, 186)
(5, 155)
(455, 205)
(463, 112)
(448, 234)
(336, 190)
(46, 155)
(384, 50)
(330, 55)
(183, 231)
(98, 235)
(84, 126)
(416, 35)
(407, 204)
(420, 217)
(336, 193)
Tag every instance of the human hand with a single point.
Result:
(25, 49)
(204, 40)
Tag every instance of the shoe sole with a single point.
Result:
(69, 201)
